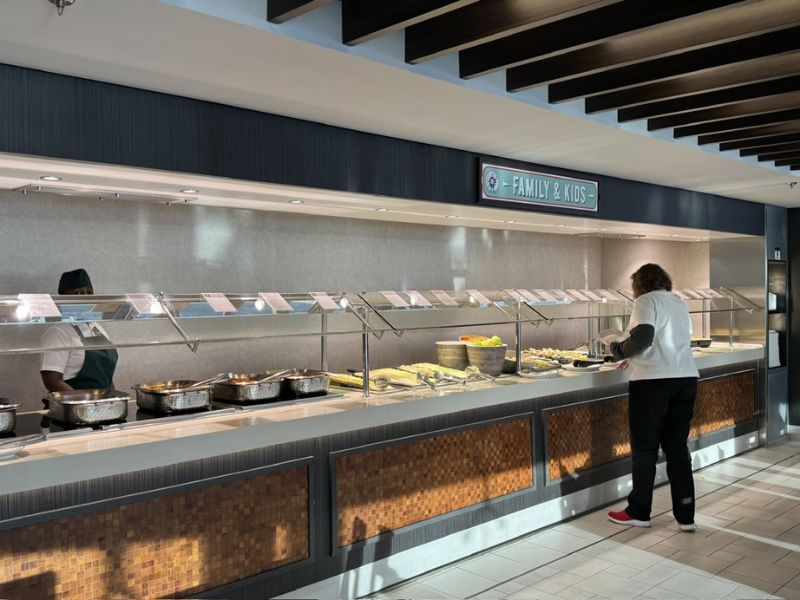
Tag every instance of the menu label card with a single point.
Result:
(545, 296)
(577, 295)
(395, 299)
(418, 299)
(680, 294)
(693, 294)
(276, 302)
(324, 301)
(712, 293)
(479, 298)
(145, 304)
(529, 296)
(591, 295)
(39, 305)
(444, 298)
(219, 302)
(515, 295)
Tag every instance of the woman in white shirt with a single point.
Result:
(661, 396)
(77, 369)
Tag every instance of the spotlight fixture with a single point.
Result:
(451, 216)
(297, 201)
(509, 222)
(50, 178)
(189, 191)
(381, 210)
(61, 5)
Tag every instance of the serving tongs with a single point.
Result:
(273, 376)
(14, 447)
(474, 374)
(209, 381)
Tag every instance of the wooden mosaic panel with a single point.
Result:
(383, 490)
(581, 437)
(165, 547)
(723, 402)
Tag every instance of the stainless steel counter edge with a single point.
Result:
(28, 473)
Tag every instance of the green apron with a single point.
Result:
(98, 367)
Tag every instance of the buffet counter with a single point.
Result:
(268, 499)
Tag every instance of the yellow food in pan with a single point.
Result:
(352, 381)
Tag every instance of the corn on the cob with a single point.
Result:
(352, 381)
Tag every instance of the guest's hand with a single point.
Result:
(623, 364)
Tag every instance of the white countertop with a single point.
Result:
(90, 455)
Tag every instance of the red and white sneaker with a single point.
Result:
(623, 518)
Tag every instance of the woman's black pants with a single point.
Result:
(660, 411)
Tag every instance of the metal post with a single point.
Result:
(323, 351)
(704, 322)
(365, 368)
(730, 325)
(518, 357)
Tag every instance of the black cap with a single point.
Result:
(73, 280)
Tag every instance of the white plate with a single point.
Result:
(582, 369)
(540, 374)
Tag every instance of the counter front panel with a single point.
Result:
(163, 547)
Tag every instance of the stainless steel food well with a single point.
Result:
(88, 407)
(172, 396)
(304, 383)
(8, 415)
(248, 388)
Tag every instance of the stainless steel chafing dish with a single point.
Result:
(299, 384)
(8, 415)
(249, 388)
(173, 396)
(88, 407)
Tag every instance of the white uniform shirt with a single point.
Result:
(670, 356)
(67, 362)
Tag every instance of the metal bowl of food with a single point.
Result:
(299, 384)
(88, 407)
(173, 396)
(253, 387)
(8, 415)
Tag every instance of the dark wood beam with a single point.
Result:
(795, 167)
(751, 133)
(769, 140)
(780, 156)
(739, 109)
(363, 20)
(723, 125)
(787, 85)
(704, 30)
(752, 71)
(768, 44)
(770, 150)
(486, 21)
(787, 162)
(280, 11)
(578, 32)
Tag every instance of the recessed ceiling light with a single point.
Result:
(560, 226)
(603, 229)
(50, 178)
(189, 191)
(509, 222)
(297, 201)
(381, 210)
(451, 216)
(674, 235)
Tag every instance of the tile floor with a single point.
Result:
(747, 546)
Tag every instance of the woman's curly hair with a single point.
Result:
(650, 278)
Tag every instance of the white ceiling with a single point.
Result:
(241, 60)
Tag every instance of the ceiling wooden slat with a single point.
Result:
(363, 20)
(788, 161)
(752, 71)
(739, 109)
(769, 140)
(780, 155)
(771, 149)
(486, 21)
(705, 30)
(578, 32)
(795, 167)
(751, 133)
(672, 66)
(787, 85)
(280, 11)
(723, 125)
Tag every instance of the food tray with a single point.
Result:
(8, 415)
(172, 396)
(243, 392)
(304, 383)
(88, 407)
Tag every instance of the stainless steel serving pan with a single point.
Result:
(88, 407)
(8, 415)
(172, 396)
(299, 384)
(248, 388)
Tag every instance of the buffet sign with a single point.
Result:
(507, 184)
